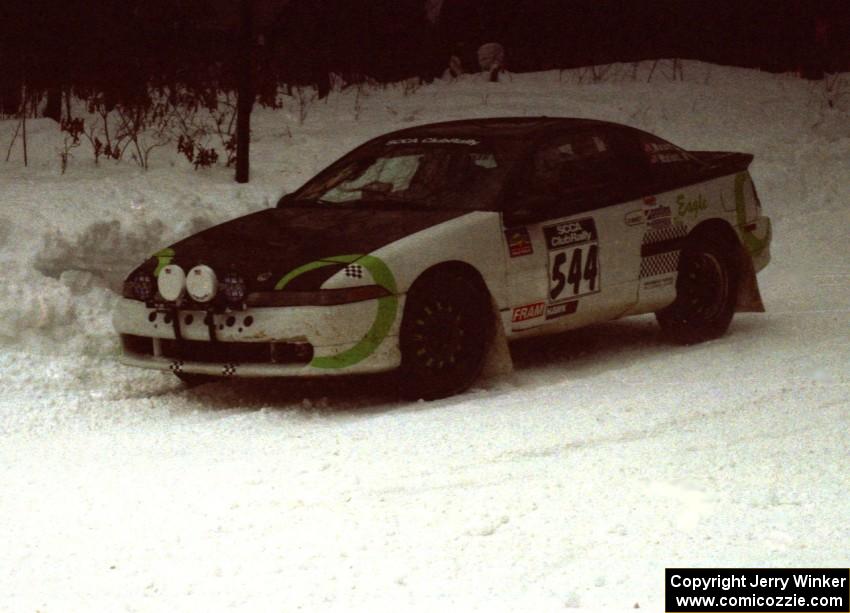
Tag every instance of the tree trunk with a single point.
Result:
(53, 110)
(245, 101)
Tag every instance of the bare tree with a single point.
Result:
(246, 92)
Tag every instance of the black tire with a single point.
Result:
(445, 335)
(706, 292)
(191, 379)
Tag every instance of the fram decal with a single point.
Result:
(561, 309)
(519, 242)
(570, 233)
(529, 311)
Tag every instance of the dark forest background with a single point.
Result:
(121, 47)
(156, 72)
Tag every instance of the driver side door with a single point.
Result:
(573, 246)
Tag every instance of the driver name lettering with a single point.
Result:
(433, 140)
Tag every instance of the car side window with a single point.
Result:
(572, 167)
(668, 164)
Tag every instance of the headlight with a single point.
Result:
(233, 287)
(324, 297)
(139, 287)
(201, 283)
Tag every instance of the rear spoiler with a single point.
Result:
(728, 161)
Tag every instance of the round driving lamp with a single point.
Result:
(201, 283)
(171, 282)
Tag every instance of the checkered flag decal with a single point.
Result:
(661, 264)
(665, 234)
(355, 271)
(176, 366)
(229, 370)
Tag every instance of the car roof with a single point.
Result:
(499, 127)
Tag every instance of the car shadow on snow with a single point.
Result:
(572, 355)
(575, 354)
(594, 345)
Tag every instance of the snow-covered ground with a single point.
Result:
(607, 456)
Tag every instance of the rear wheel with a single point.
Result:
(445, 335)
(706, 292)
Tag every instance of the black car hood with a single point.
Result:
(265, 245)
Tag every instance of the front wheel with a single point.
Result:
(445, 334)
(706, 293)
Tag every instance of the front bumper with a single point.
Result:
(354, 338)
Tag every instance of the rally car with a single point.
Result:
(428, 249)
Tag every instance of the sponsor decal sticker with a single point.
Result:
(658, 212)
(658, 217)
(658, 283)
(663, 153)
(690, 207)
(554, 311)
(529, 311)
(634, 218)
(569, 233)
(519, 243)
(573, 259)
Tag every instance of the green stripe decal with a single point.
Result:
(300, 271)
(753, 244)
(164, 258)
(384, 319)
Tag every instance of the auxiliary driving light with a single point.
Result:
(201, 283)
(233, 287)
(142, 286)
(171, 282)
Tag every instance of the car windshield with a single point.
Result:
(459, 174)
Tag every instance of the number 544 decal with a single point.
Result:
(573, 259)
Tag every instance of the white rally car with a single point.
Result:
(427, 249)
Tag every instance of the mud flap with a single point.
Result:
(749, 296)
(498, 361)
